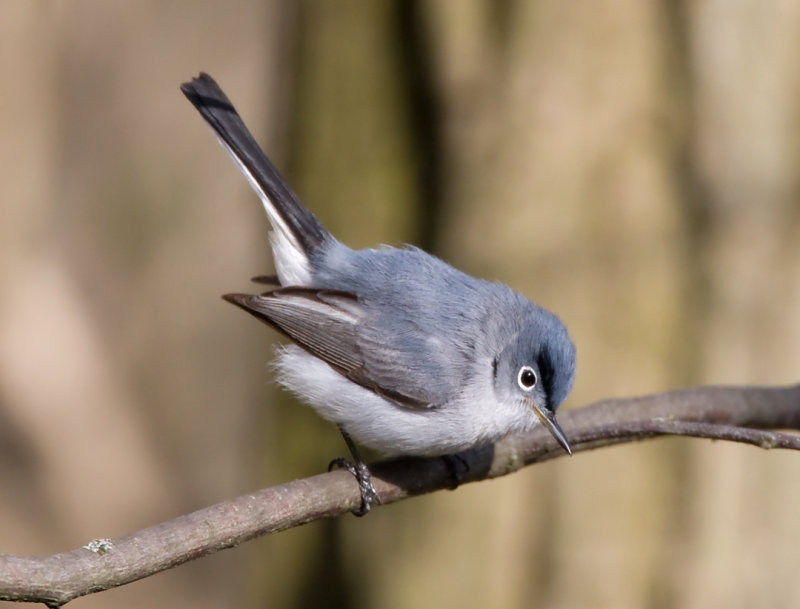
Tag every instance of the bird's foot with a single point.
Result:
(364, 478)
(458, 467)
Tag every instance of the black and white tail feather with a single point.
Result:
(297, 235)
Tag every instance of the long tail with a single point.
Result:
(297, 229)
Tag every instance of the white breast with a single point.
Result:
(390, 429)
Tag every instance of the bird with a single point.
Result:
(404, 353)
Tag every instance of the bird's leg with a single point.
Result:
(359, 469)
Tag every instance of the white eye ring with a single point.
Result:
(527, 378)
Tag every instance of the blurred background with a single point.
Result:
(634, 166)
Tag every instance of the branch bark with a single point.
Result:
(742, 414)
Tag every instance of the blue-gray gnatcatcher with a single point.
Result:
(406, 354)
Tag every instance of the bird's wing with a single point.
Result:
(328, 324)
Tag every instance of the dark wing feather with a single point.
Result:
(326, 323)
(271, 280)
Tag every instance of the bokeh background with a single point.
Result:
(632, 165)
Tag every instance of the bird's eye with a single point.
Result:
(527, 378)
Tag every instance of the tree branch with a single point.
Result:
(723, 413)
